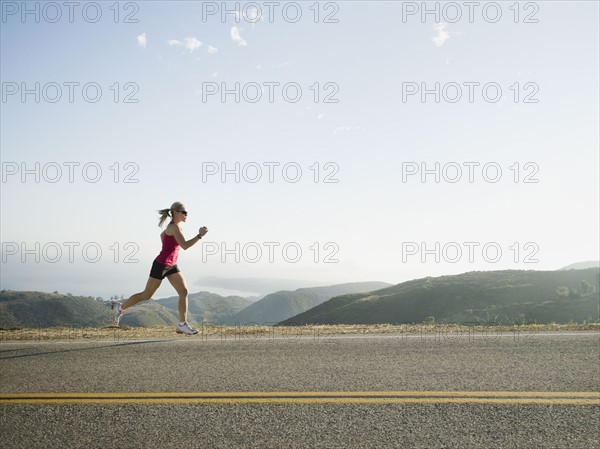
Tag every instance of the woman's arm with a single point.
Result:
(185, 244)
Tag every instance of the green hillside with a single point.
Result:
(31, 309)
(503, 297)
(281, 305)
(149, 313)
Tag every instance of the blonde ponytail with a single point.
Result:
(164, 214)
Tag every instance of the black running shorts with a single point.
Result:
(160, 271)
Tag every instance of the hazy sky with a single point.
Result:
(319, 142)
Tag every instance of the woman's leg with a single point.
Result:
(151, 287)
(178, 282)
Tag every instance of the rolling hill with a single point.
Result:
(503, 297)
(42, 309)
(150, 313)
(281, 305)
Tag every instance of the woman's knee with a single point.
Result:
(141, 296)
(147, 294)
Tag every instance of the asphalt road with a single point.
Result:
(440, 391)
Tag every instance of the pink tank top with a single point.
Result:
(170, 250)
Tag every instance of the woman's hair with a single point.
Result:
(165, 213)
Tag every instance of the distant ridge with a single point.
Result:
(284, 304)
(582, 265)
(503, 297)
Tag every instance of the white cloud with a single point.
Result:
(320, 116)
(190, 43)
(283, 64)
(212, 50)
(235, 37)
(142, 40)
(258, 67)
(442, 35)
(339, 129)
(215, 74)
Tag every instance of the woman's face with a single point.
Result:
(180, 214)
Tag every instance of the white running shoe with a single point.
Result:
(185, 328)
(117, 312)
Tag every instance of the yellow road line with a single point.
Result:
(583, 394)
(197, 401)
(310, 397)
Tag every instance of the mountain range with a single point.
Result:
(22, 308)
(506, 297)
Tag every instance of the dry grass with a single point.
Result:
(259, 331)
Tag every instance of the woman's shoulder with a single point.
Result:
(170, 229)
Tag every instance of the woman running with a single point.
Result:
(165, 266)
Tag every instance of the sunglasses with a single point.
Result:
(184, 212)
